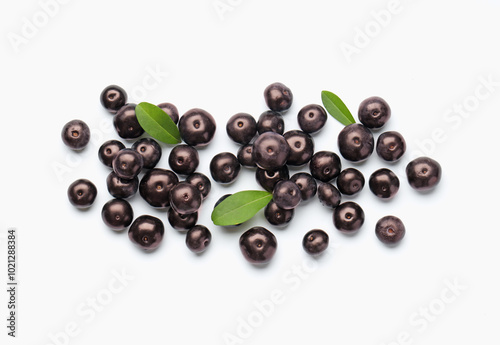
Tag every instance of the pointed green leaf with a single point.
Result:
(337, 108)
(240, 207)
(157, 123)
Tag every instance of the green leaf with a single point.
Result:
(157, 123)
(337, 108)
(240, 207)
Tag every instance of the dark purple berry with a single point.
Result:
(270, 151)
(301, 147)
(270, 121)
(183, 159)
(286, 194)
(171, 111)
(113, 98)
(185, 198)
(390, 230)
(182, 222)
(245, 156)
(423, 173)
(82, 193)
(127, 164)
(117, 214)
(241, 128)
(384, 183)
(155, 187)
(325, 165)
(146, 232)
(315, 242)
(201, 182)
(198, 238)
(197, 127)
(224, 167)
(355, 142)
(150, 151)
(121, 188)
(350, 181)
(108, 151)
(348, 217)
(76, 134)
(328, 195)
(307, 185)
(312, 118)
(268, 178)
(391, 146)
(276, 215)
(258, 245)
(126, 124)
(278, 97)
(374, 112)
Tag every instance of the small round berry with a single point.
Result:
(185, 198)
(286, 194)
(245, 156)
(182, 222)
(121, 188)
(391, 146)
(301, 147)
(348, 217)
(224, 167)
(241, 128)
(384, 183)
(390, 230)
(258, 245)
(146, 232)
(113, 98)
(315, 242)
(108, 151)
(374, 112)
(126, 124)
(197, 127)
(325, 165)
(276, 215)
(307, 185)
(198, 238)
(278, 97)
(267, 179)
(150, 151)
(183, 159)
(312, 118)
(127, 164)
(355, 142)
(155, 187)
(329, 195)
(117, 214)
(82, 193)
(270, 151)
(423, 173)
(350, 181)
(76, 134)
(270, 121)
(171, 111)
(201, 182)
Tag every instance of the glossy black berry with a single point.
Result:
(276, 215)
(197, 127)
(245, 156)
(350, 181)
(312, 118)
(301, 147)
(325, 165)
(150, 151)
(171, 110)
(268, 178)
(185, 198)
(146, 232)
(108, 150)
(307, 185)
(384, 183)
(183, 159)
(286, 194)
(76, 134)
(121, 188)
(201, 182)
(241, 128)
(390, 230)
(155, 187)
(126, 124)
(224, 167)
(391, 146)
(198, 238)
(374, 112)
(270, 121)
(315, 242)
(117, 214)
(348, 217)
(127, 164)
(329, 195)
(258, 245)
(270, 151)
(82, 193)
(113, 98)
(355, 142)
(423, 173)
(182, 222)
(278, 97)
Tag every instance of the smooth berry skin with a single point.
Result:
(245, 157)
(301, 147)
(267, 179)
(384, 183)
(197, 127)
(156, 185)
(225, 167)
(146, 232)
(241, 128)
(390, 230)
(315, 242)
(171, 111)
(270, 151)
(181, 222)
(183, 159)
(276, 215)
(270, 121)
(348, 217)
(258, 245)
(423, 173)
(126, 124)
(117, 214)
(312, 118)
(113, 98)
(82, 193)
(108, 151)
(325, 165)
(374, 112)
(307, 185)
(127, 164)
(150, 151)
(350, 181)
(76, 134)
(198, 238)
(391, 146)
(328, 195)
(121, 188)
(185, 198)
(286, 194)
(278, 97)
(201, 182)
(355, 142)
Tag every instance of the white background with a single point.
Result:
(428, 57)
